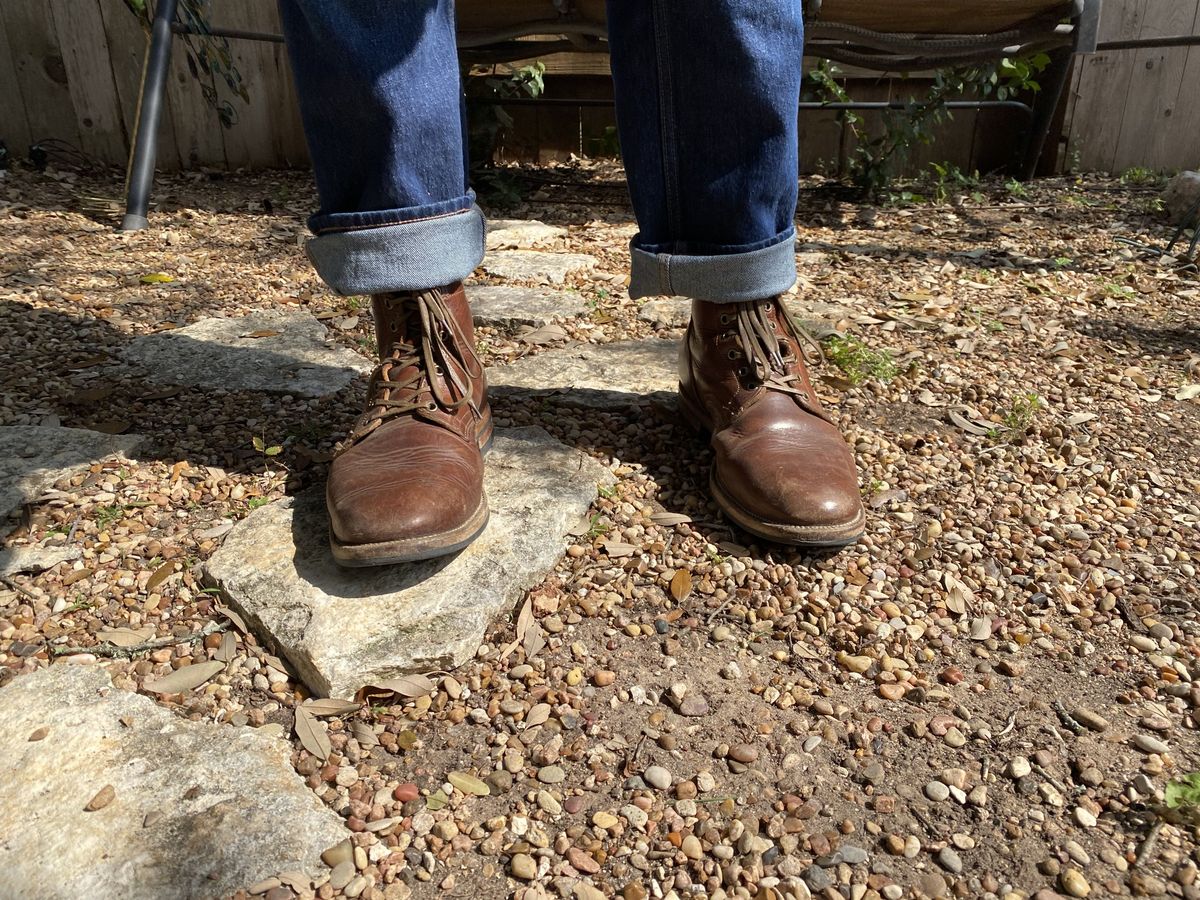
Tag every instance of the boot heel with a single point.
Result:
(692, 415)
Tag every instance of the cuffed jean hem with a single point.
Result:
(413, 255)
(722, 278)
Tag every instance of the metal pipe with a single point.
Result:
(1179, 40)
(140, 180)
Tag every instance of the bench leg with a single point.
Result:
(1054, 82)
(140, 179)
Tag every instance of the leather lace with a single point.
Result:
(758, 341)
(437, 371)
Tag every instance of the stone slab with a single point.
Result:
(666, 312)
(291, 355)
(521, 234)
(595, 375)
(35, 559)
(230, 808)
(818, 317)
(33, 457)
(343, 629)
(534, 265)
(508, 306)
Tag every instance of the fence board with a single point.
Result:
(1154, 92)
(40, 74)
(14, 125)
(88, 66)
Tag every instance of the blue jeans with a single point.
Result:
(706, 91)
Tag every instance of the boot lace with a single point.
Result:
(758, 343)
(437, 371)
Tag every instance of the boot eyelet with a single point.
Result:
(743, 371)
(734, 354)
(431, 406)
(725, 319)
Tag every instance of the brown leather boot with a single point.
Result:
(781, 470)
(407, 484)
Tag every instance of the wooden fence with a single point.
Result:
(70, 69)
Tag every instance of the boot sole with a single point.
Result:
(815, 537)
(432, 546)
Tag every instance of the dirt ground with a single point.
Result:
(987, 696)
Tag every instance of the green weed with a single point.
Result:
(858, 361)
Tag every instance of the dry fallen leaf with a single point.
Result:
(329, 707)
(228, 648)
(405, 685)
(364, 734)
(681, 584)
(534, 641)
(1188, 392)
(161, 574)
(538, 715)
(312, 734)
(966, 424)
(468, 784)
(618, 549)
(126, 637)
(106, 796)
(669, 519)
(261, 333)
(1080, 418)
(186, 679)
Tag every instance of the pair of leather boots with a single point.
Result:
(407, 484)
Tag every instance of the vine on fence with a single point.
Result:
(209, 58)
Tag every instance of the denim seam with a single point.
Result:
(721, 278)
(333, 229)
(666, 116)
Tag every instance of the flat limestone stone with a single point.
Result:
(521, 234)
(595, 375)
(507, 306)
(230, 808)
(534, 265)
(666, 312)
(35, 559)
(33, 457)
(342, 629)
(290, 355)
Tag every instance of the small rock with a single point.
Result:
(1089, 718)
(551, 775)
(692, 848)
(657, 777)
(936, 791)
(1149, 744)
(105, 796)
(1019, 767)
(950, 861)
(1073, 883)
(693, 706)
(582, 861)
(743, 753)
(522, 866)
(1085, 817)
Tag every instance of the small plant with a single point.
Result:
(606, 491)
(858, 361)
(108, 515)
(261, 446)
(596, 528)
(1141, 177)
(255, 502)
(1184, 793)
(1018, 418)
(1016, 188)
(949, 177)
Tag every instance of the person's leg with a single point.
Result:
(707, 102)
(380, 96)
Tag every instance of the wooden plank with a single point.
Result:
(253, 140)
(1186, 125)
(127, 45)
(1103, 89)
(90, 80)
(1148, 136)
(14, 125)
(196, 126)
(41, 76)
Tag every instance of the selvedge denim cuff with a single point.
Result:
(722, 278)
(411, 255)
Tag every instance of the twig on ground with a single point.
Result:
(112, 650)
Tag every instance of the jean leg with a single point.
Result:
(707, 99)
(381, 102)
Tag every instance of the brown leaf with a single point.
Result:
(966, 424)
(186, 679)
(330, 707)
(547, 334)
(106, 796)
(39, 734)
(126, 637)
(77, 575)
(261, 333)
(537, 716)
(238, 622)
(618, 549)
(534, 641)
(112, 426)
(312, 734)
(92, 395)
(681, 584)
(406, 686)
(364, 734)
(161, 574)
(468, 784)
(162, 393)
(228, 648)
(669, 519)
(524, 619)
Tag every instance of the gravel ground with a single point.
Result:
(985, 697)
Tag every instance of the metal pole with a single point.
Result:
(150, 102)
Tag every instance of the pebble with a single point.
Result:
(551, 775)
(657, 777)
(1085, 817)
(692, 848)
(522, 866)
(743, 753)
(605, 820)
(693, 706)
(1149, 744)
(1019, 767)
(584, 891)
(949, 860)
(582, 861)
(1073, 883)
(1089, 718)
(936, 791)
